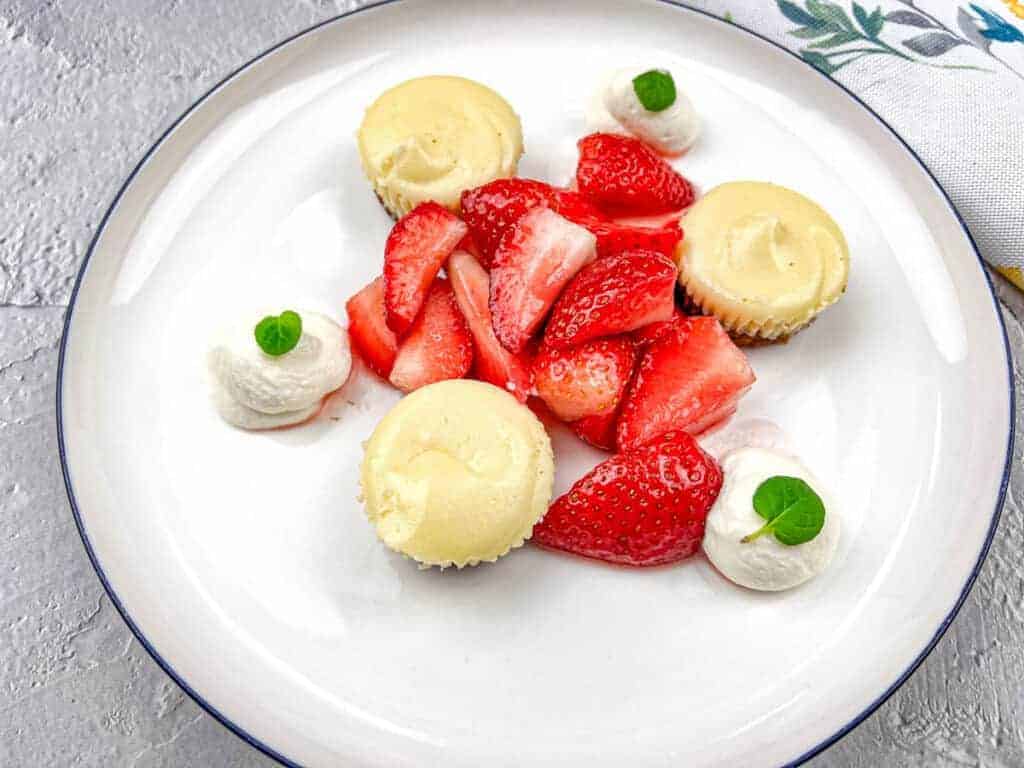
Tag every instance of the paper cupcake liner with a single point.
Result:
(745, 331)
(395, 204)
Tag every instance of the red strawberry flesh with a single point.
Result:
(437, 347)
(689, 379)
(534, 261)
(587, 380)
(643, 507)
(371, 338)
(599, 430)
(491, 209)
(621, 174)
(651, 333)
(493, 363)
(614, 237)
(613, 295)
(416, 248)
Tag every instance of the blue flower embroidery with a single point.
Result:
(997, 28)
(837, 37)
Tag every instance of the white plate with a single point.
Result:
(244, 562)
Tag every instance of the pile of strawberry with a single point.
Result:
(552, 292)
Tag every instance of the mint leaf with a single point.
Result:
(795, 513)
(278, 334)
(656, 90)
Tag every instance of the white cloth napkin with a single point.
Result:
(948, 75)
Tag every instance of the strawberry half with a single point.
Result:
(651, 333)
(370, 335)
(493, 363)
(621, 174)
(689, 379)
(586, 380)
(613, 295)
(415, 250)
(534, 260)
(491, 209)
(437, 347)
(468, 244)
(615, 237)
(643, 507)
(599, 430)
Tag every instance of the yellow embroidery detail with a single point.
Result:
(1016, 7)
(1013, 275)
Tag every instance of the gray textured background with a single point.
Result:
(85, 88)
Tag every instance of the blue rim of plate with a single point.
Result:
(269, 751)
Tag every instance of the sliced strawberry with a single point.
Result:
(493, 363)
(599, 430)
(415, 250)
(437, 347)
(651, 333)
(644, 507)
(468, 244)
(535, 259)
(370, 335)
(657, 221)
(613, 295)
(621, 174)
(493, 208)
(586, 380)
(690, 378)
(615, 237)
(575, 207)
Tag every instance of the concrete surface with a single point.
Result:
(85, 87)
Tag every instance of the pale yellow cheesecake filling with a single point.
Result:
(761, 258)
(433, 137)
(457, 473)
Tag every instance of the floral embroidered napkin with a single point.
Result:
(948, 75)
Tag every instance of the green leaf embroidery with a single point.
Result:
(860, 14)
(837, 41)
(798, 15)
(842, 38)
(809, 33)
(871, 23)
(830, 13)
(819, 61)
(932, 44)
(795, 513)
(876, 22)
(278, 334)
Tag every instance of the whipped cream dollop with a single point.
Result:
(764, 563)
(615, 108)
(254, 390)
